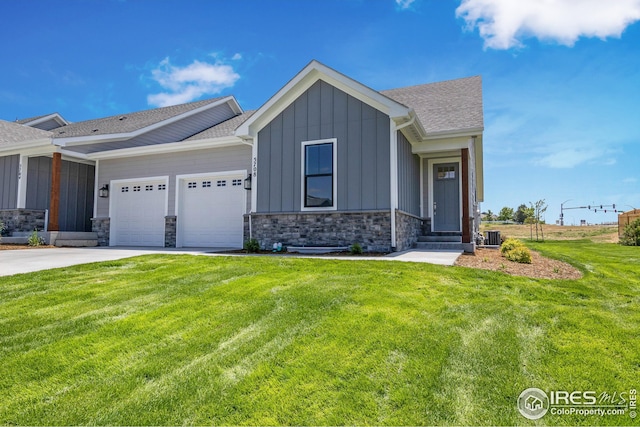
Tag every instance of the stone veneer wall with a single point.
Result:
(100, 226)
(22, 220)
(408, 229)
(371, 229)
(170, 224)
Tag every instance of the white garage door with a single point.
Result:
(138, 213)
(210, 211)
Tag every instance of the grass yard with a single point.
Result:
(179, 339)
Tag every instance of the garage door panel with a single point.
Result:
(211, 212)
(139, 210)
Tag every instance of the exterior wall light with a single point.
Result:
(247, 183)
(104, 191)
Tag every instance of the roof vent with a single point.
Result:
(121, 118)
(61, 132)
(95, 130)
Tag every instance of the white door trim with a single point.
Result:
(430, 163)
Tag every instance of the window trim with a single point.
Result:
(303, 150)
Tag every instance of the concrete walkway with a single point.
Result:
(29, 260)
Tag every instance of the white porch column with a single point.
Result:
(23, 168)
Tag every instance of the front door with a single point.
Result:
(446, 197)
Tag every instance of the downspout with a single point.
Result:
(394, 172)
(250, 144)
(393, 184)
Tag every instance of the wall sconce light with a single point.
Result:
(104, 191)
(247, 183)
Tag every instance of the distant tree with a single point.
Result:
(506, 214)
(522, 213)
(537, 209)
(631, 234)
(489, 216)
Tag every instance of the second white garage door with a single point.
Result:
(210, 211)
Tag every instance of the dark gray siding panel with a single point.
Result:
(408, 177)
(323, 112)
(38, 183)
(76, 192)
(9, 169)
(76, 196)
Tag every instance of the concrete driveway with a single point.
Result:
(29, 260)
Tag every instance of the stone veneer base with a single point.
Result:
(100, 226)
(22, 220)
(371, 229)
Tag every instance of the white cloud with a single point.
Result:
(404, 4)
(236, 57)
(504, 23)
(185, 84)
(630, 180)
(567, 158)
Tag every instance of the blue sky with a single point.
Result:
(561, 78)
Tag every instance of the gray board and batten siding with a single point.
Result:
(324, 112)
(9, 174)
(76, 191)
(408, 177)
(222, 159)
(177, 131)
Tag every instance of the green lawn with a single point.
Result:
(178, 339)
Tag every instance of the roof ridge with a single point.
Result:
(431, 83)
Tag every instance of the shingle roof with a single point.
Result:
(226, 128)
(12, 134)
(130, 122)
(449, 106)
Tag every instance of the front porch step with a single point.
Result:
(13, 240)
(440, 246)
(76, 243)
(77, 235)
(440, 239)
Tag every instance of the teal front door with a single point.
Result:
(446, 197)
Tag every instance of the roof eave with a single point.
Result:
(169, 147)
(96, 139)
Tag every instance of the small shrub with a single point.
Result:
(355, 249)
(34, 239)
(631, 234)
(509, 245)
(252, 246)
(520, 254)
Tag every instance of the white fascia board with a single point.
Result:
(31, 148)
(441, 145)
(27, 145)
(57, 117)
(454, 133)
(171, 147)
(82, 140)
(304, 80)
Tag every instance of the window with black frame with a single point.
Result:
(318, 176)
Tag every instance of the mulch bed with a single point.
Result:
(540, 267)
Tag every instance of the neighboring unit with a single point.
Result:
(326, 161)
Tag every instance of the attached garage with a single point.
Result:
(210, 210)
(138, 209)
